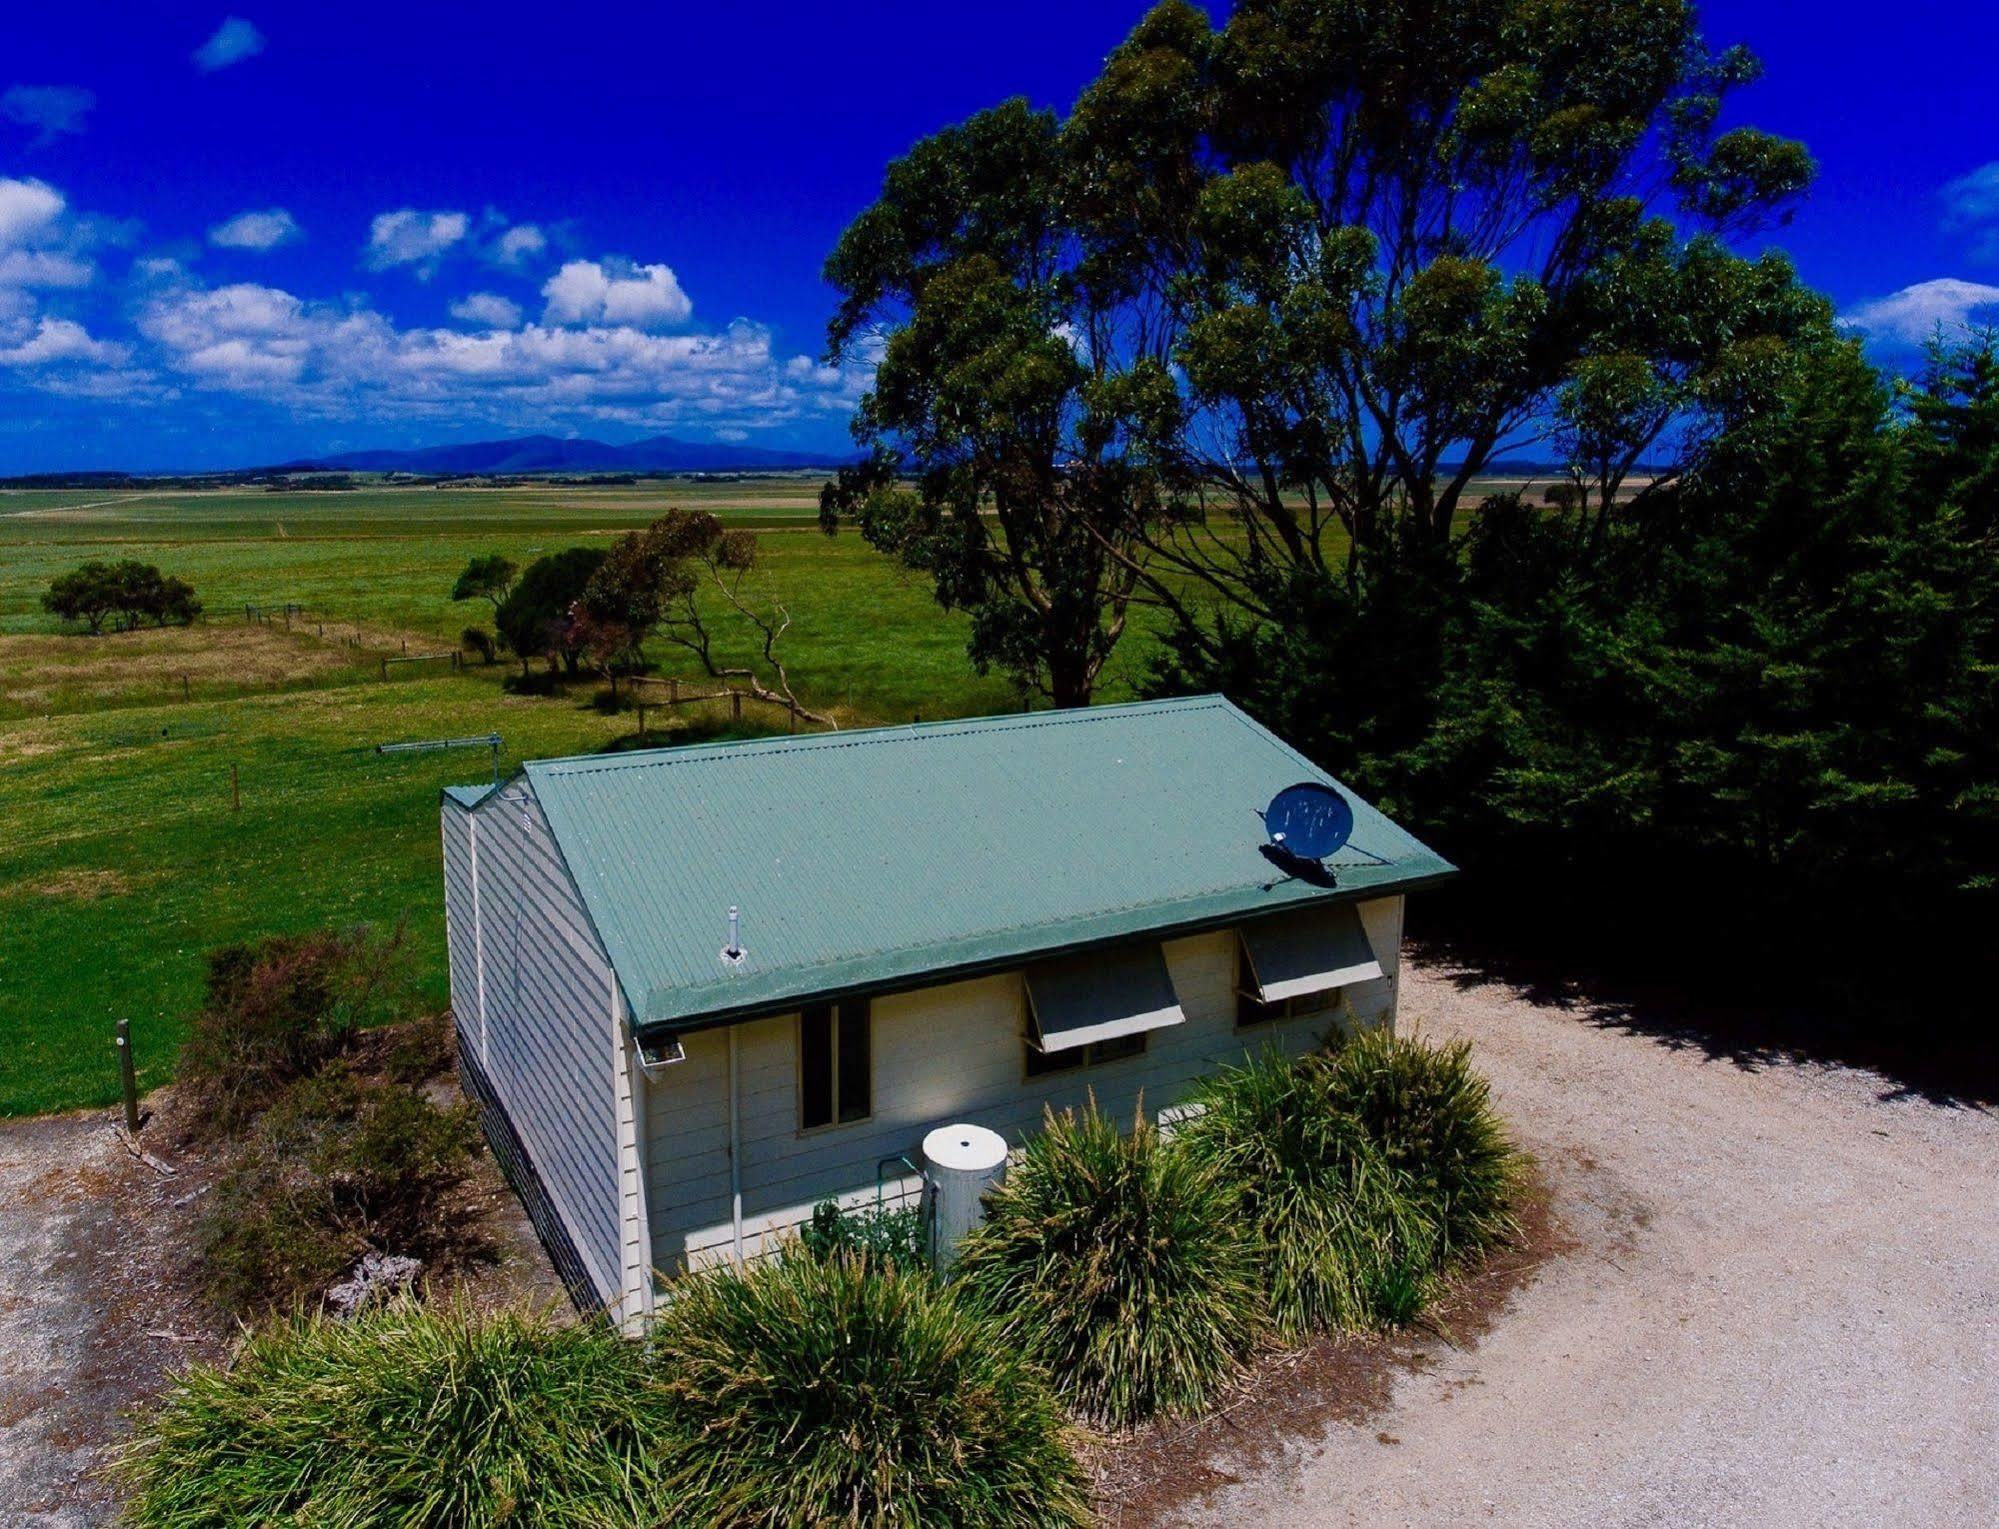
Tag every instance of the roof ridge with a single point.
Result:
(1003, 722)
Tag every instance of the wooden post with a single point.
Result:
(735, 704)
(385, 668)
(791, 707)
(672, 692)
(128, 1077)
(183, 687)
(235, 791)
(406, 645)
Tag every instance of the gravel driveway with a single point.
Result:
(1782, 1305)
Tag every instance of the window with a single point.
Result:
(1041, 1063)
(835, 1064)
(1252, 1010)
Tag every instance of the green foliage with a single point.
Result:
(334, 1167)
(132, 592)
(813, 1390)
(892, 1236)
(489, 577)
(476, 639)
(1429, 1113)
(278, 1010)
(1346, 1237)
(532, 619)
(412, 1416)
(1117, 1262)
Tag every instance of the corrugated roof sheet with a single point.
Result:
(873, 859)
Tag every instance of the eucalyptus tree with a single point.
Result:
(1008, 440)
(1263, 307)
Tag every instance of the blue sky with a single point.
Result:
(233, 237)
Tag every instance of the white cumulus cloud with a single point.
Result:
(231, 43)
(264, 230)
(1971, 205)
(518, 245)
(488, 309)
(54, 341)
(413, 238)
(51, 110)
(1913, 314)
(40, 245)
(615, 291)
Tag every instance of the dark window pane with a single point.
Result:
(1114, 1050)
(855, 1061)
(1041, 1063)
(815, 1067)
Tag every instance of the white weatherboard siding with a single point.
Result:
(941, 1055)
(546, 1038)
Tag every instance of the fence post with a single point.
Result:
(385, 668)
(128, 1077)
(735, 704)
(672, 691)
(183, 687)
(791, 709)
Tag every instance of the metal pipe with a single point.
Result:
(735, 1149)
(735, 932)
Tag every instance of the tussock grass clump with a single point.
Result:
(1121, 1265)
(1347, 1237)
(1430, 1113)
(405, 1416)
(837, 1389)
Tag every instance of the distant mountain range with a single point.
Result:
(552, 454)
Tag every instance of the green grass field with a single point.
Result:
(123, 861)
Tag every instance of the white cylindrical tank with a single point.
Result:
(961, 1162)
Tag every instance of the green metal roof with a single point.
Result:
(877, 859)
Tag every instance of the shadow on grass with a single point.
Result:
(1695, 1002)
(693, 730)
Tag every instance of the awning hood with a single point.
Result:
(1100, 996)
(1309, 950)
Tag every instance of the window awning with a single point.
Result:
(1100, 996)
(1308, 951)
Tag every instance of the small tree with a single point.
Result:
(132, 592)
(490, 578)
(652, 581)
(533, 617)
(88, 594)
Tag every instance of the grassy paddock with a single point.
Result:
(124, 861)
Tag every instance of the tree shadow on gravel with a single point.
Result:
(1735, 1016)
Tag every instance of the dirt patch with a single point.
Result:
(99, 1302)
(1338, 1378)
(77, 885)
(42, 673)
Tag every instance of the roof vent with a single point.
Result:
(733, 953)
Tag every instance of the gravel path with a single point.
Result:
(1782, 1305)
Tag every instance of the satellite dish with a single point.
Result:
(1308, 821)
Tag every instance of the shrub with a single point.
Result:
(476, 639)
(1119, 1263)
(1347, 1237)
(1430, 1113)
(821, 1390)
(335, 1166)
(886, 1236)
(421, 1048)
(280, 1009)
(405, 1416)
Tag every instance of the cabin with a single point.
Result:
(700, 990)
